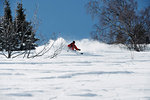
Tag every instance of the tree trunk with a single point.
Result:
(9, 54)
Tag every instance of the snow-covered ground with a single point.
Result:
(103, 72)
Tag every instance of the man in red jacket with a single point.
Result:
(72, 46)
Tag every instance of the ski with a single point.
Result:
(81, 53)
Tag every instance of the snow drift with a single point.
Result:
(103, 72)
(87, 46)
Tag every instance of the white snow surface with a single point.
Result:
(103, 72)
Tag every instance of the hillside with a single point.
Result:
(103, 72)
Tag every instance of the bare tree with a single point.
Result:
(119, 22)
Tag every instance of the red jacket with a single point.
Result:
(73, 46)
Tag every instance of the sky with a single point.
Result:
(67, 18)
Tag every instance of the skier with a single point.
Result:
(73, 47)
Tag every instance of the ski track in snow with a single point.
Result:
(110, 74)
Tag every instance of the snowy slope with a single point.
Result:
(104, 72)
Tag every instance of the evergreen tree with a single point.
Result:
(7, 36)
(7, 13)
(139, 34)
(24, 30)
(1, 30)
(17, 34)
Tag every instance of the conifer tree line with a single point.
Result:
(16, 34)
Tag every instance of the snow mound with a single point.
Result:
(86, 45)
(96, 47)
